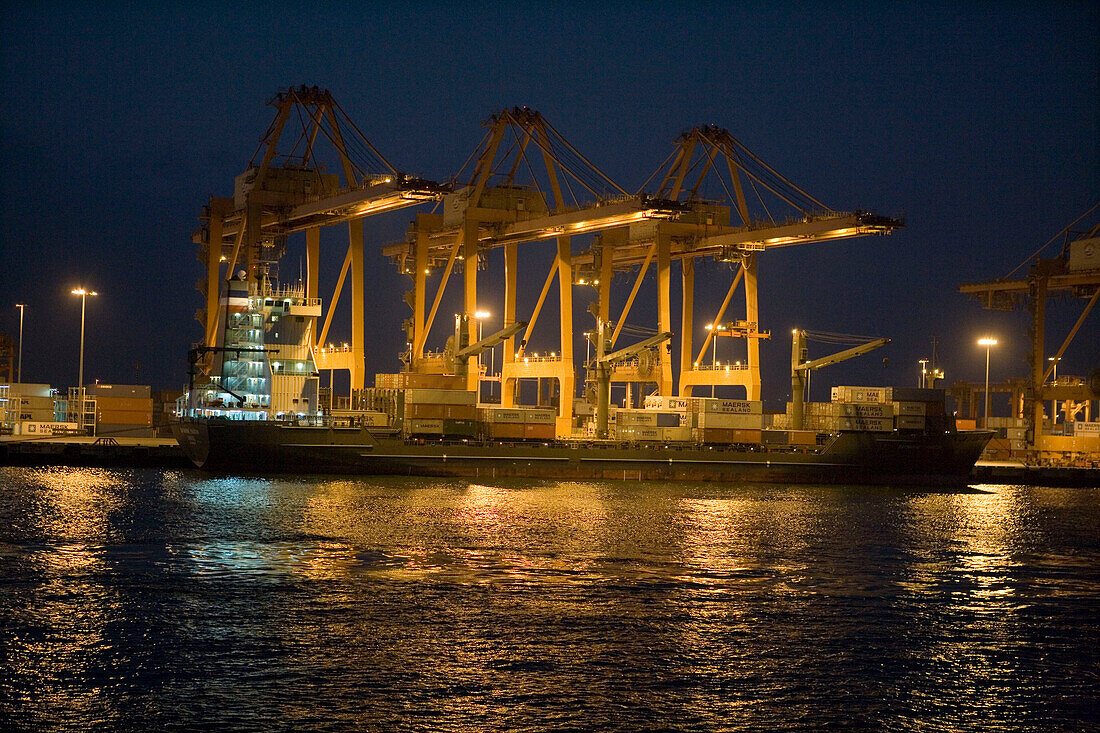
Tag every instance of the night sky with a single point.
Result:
(977, 122)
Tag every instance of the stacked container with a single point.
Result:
(516, 423)
(438, 412)
(122, 410)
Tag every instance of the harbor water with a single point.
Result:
(143, 600)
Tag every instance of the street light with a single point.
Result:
(20, 306)
(1054, 381)
(713, 353)
(987, 342)
(480, 316)
(923, 371)
(83, 299)
(80, 374)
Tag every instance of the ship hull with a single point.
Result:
(850, 458)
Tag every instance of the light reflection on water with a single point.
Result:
(141, 600)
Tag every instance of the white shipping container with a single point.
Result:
(872, 424)
(1084, 428)
(43, 428)
(728, 420)
(861, 394)
(652, 434)
(637, 432)
(500, 415)
(738, 407)
(849, 409)
(674, 404)
(1016, 433)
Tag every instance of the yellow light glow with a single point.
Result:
(987, 341)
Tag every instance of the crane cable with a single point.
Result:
(1062, 231)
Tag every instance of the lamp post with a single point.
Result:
(712, 327)
(923, 372)
(987, 342)
(80, 374)
(480, 316)
(83, 299)
(1054, 381)
(19, 376)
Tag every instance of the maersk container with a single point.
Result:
(729, 421)
(910, 422)
(741, 407)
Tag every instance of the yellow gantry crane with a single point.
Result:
(1074, 272)
(745, 222)
(503, 205)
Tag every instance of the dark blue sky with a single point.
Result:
(978, 121)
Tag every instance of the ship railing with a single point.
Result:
(528, 358)
(720, 367)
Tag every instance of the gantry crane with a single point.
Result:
(1074, 272)
(486, 214)
(633, 231)
(707, 229)
(286, 191)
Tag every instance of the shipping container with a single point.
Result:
(459, 428)
(725, 436)
(802, 437)
(122, 404)
(503, 431)
(537, 431)
(714, 405)
(862, 394)
(440, 396)
(961, 424)
(870, 424)
(910, 422)
(846, 409)
(141, 391)
(124, 417)
(44, 428)
(774, 437)
(673, 404)
(423, 427)
(918, 394)
(911, 408)
(729, 421)
(1081, 427)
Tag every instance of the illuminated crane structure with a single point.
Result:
(528, 185)
(1075, 272)
(283, 193)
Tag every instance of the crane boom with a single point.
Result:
(841, 355)
(801, 367)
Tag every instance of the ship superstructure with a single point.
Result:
(264, 367)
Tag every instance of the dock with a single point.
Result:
(91, 451)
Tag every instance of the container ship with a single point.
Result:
(259, 411)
